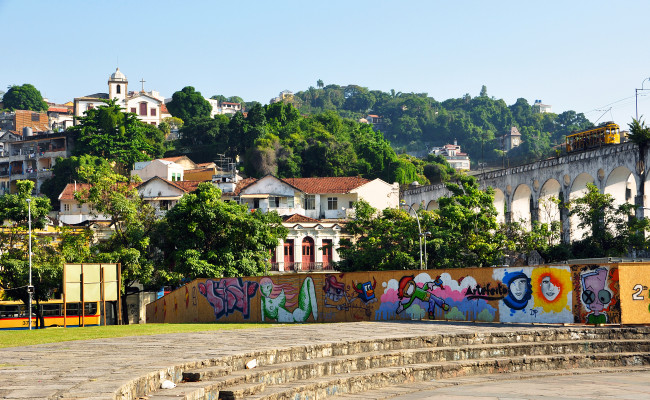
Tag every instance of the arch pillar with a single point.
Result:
(564, 217)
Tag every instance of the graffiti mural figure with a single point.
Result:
(409, 289)
(595, 295)
(276, 299)
(519, 290)
(360, 298)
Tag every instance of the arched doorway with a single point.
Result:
(307, 252)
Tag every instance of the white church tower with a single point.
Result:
(117, 85)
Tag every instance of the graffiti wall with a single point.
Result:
(588, 294)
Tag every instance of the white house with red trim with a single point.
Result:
(315, 211)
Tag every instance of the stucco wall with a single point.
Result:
(544, 294)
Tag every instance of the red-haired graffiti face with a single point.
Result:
(550, 289)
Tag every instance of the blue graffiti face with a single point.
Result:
(519, 290)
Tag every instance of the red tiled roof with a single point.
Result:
(187, 186)
(327, 184)
(163, 109)
(241, 185)
(298, 218)
(70, 188)
(59, 109)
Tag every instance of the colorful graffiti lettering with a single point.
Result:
(595, 295)
(487, 292)
(277, 299)
(229, 295)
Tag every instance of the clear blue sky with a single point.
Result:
(579, 55)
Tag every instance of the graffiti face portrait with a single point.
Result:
(518, 288)
(334, 290)
(549, 290)
(594, 294)
(266, 286)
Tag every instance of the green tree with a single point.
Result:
(610, 230)
(640, 134)
(188, 103)
(25, 97)
(66, 170)
(380, 240)
(132, 221)
(464, 230)
(14, 248)
(320, 84)
(209, 238)
(110, 133)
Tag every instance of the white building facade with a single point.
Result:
(146, 105)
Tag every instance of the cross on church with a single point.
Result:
(142, 81)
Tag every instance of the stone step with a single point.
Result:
(409, 388)
(362, 381)
(222, 378)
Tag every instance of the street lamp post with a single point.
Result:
(636, 97)
(417, 218)
(426, 255)
(30, 288)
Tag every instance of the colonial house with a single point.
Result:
(146, 105)
(454, 156)
(160, 193)
(163, 194)
(315, 211)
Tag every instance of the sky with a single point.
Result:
(586, 56)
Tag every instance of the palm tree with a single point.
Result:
(640, 134)
(320, 84)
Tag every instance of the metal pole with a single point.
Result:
(417, 218)
(636, 97)
(30, 288)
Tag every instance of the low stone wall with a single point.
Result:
(592, 294)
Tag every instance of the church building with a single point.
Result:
(146, 105)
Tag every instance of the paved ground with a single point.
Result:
(95, 369)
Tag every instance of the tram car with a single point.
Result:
(14, 315)
(605, 133)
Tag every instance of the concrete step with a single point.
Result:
(362, 381)
(243, 382)
(306, 362)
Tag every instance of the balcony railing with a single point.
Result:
(302, 267)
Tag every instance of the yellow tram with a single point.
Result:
(605, 133)
(13, 314)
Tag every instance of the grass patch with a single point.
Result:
(55, 335)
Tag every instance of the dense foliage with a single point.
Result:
(204, 236)
(276, 139)
(463, 232)
(417, 121)
(188, 103)
(24, 97)
(109, 132)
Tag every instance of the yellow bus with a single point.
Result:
(13, 314)
(605, 133)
